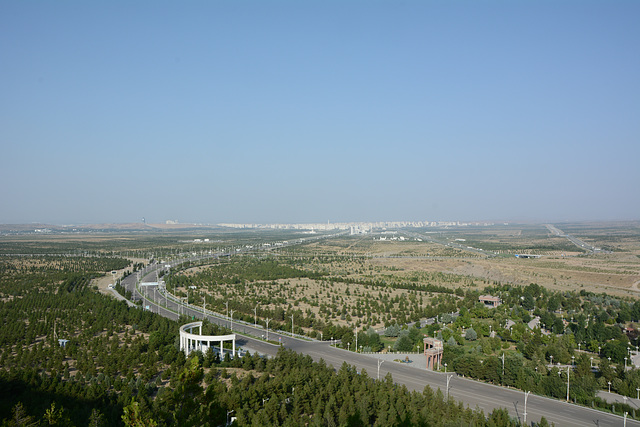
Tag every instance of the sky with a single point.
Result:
(315, 111)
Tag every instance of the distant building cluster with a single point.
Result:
(393, 237)
(358, 227)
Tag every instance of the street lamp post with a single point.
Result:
(292, 325)
(609, 382)
(448, 380)
(568, 369)
(380, 362)
(231, 319)
(445, 368)
(267, 320)
(526, 395)
(255, 316)
(226, 303)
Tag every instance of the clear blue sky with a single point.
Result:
(304, 111)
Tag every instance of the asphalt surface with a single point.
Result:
(474, 394)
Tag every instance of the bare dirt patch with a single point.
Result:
(103, 282)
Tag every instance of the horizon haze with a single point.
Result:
(289, 112)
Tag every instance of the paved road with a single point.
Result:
(472, 393)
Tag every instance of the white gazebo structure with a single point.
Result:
(192, 342)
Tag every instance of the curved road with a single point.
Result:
(472, 393)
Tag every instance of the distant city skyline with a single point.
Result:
(303, 112)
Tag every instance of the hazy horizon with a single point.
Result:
(463, 223)
(289, 112)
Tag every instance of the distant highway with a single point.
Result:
(579, 243)
(472, 393)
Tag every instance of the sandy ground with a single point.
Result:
(103, 282)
